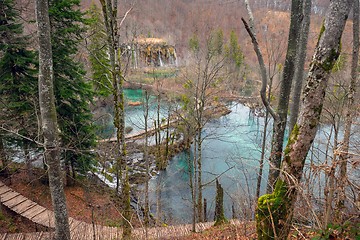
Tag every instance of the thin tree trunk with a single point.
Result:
(27, 160)
(49, 122)
(329, 197)
(284, 95)
(147, 164)
(344, 154)
(192, 187)
(252, 33)
(276, 218)
(3, 158)
(300, 62)
(263, 145)
(158, 201)
(199, 180)
(110, 13)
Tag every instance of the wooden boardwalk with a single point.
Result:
(141, 133)
(79, 230)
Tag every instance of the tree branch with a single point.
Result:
(262, 70)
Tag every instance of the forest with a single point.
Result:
(204, 119)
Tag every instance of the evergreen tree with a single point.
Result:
(72, 93)
(18, 84)
(99, 59)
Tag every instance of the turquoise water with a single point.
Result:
(134, 116)
(230, 149)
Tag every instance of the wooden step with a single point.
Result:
(20, 208)
(46, 218)
(8, 196)
(33, 211)
(16, 201)
(4, 189)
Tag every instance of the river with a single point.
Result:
(231, 151)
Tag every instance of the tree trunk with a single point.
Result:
(219, 205)
(344, 154)
(29, 171)
(300, 62)
(3, 159)
(330, 184)
(275, 210)
(284, 94)
(49, 122)
(263, 145)
(199, 177)
(110, 13)
(147, 164)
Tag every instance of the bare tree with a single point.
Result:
(49, 122)
(344, 153)
(274, 220)
(110, 13)
(284, 94)
(300, 62)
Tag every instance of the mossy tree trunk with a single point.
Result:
(3, 159)
(219, 216)
(49, 121)
(110, 13)
(275, 211)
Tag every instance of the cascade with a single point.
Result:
(144, 52)
(161, 64)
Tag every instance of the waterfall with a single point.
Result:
(161, 64)
(176, 60)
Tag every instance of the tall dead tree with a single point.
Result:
(275, 210)
(265, 96)
(344, 153)
(112, 26)
(49, 121)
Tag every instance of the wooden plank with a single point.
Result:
(23, 206)
(4, 236)
(30, 213)
(39, 212)
(44, 218)
(8, 196)
(4, 189)
(34, 212)
(16, 201)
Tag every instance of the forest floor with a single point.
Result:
(86, 201)
(89, 200)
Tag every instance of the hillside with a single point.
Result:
(173, 23)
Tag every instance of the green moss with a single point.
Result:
(271, 208)
(331, 60)
(322, 30)
(292, 139)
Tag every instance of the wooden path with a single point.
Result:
(141, 133)
(79, 230)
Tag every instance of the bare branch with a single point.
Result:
(262, 70)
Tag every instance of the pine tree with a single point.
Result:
(72, 93)
(18, 84)
(101, 76)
